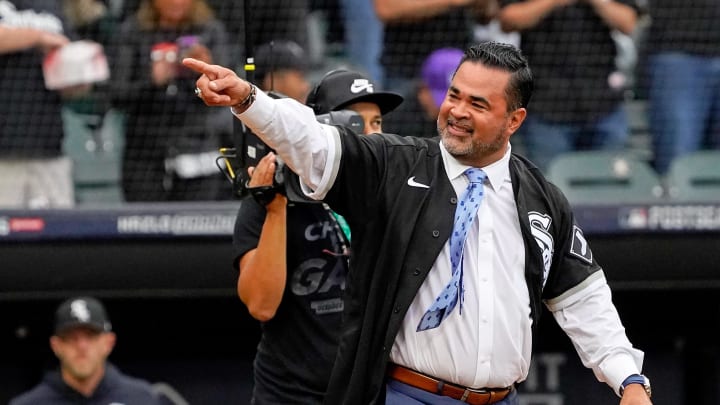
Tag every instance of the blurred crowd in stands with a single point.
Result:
(120, 122)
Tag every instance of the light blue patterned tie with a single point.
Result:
(464, 214)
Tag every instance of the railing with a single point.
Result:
(217, 219)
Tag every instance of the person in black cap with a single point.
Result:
(82, 341)
(293, 260)
(349, 90)
(281, 66)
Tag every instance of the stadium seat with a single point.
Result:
(640, 139)
(603, 177)
(94, 143)
(695, 177)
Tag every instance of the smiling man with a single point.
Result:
(446, 283)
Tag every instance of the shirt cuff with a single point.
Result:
(617, 368)
(259, 112)
(332, 165)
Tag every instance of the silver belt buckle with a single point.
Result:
(469, 391)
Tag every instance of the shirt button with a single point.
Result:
(397, 309)
(435, 233)
(416, 272)
(453, 200)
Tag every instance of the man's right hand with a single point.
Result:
(219, 86)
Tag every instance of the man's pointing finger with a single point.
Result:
(197, 65)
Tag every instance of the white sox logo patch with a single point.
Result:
(540, 226)
(580, 246)
(79, 310)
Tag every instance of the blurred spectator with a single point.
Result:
(33, 172)
(82, 341)
(487, 26)
(171, 137)
(363, 37)
(279, 19)
(684, 77)
(413, 29)
(281, 66)
(331, 24)
(417, 116)
(92, 19)
(578, 104)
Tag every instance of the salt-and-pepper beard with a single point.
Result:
(475, 149)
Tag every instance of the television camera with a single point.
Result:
(249, 149)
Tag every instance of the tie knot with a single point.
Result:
(475, 175)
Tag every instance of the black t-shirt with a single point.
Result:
(572, 54)
(407, 44)
(685, 26)
(297, 348)
(30, 118)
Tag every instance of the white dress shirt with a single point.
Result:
(489, 344)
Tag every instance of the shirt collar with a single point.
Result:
(498, 173)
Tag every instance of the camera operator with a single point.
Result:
(293, 258)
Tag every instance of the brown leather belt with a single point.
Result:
(424, 382)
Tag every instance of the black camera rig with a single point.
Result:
(249, 149)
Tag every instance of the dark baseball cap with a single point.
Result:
(437, 71)
(340, 88)
(78, 312)
(279, 55)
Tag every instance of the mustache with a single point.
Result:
(464, 123)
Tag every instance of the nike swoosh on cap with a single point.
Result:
(361, 84)
(412, 183)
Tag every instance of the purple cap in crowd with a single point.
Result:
(437, 71)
